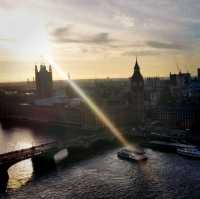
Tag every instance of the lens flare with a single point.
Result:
(99, 113)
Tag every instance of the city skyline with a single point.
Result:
(99, 39)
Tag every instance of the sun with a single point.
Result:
(25, 36)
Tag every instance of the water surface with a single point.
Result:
(163, 175)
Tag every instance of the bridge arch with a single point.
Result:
(20, 173)
(42, 160)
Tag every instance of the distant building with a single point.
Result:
(181, 117)
(152, 90)
(137, 95)
(178, 83)
(44, 81)
(180, 79)
(198, 73)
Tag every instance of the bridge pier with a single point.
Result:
(4, 177)
(43, 163)
(42, 160)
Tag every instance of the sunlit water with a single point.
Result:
(16, 139)
(20, 174)
(163, 175)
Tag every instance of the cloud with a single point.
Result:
(140, 53)
(61, 31)
(66, 35)
(103, 37)
(164, 45)
(100, 38)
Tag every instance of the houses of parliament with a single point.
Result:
(133, 113)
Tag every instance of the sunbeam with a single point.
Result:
(92, 105)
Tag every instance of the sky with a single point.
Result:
(99, 38)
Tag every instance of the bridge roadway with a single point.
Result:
(13, 157)
(42, 156)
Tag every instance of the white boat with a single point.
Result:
(193, 152)
(132, 155)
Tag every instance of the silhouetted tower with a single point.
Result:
(43, 81)
(137, 95)
(36, 78)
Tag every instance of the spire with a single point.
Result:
(136, 67)
(136, 74)
(50, 69)
(36, 69)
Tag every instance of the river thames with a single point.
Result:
(163, 175)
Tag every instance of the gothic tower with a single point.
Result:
(137, 95)
(44, 81)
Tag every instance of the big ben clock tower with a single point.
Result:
(137, 95)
